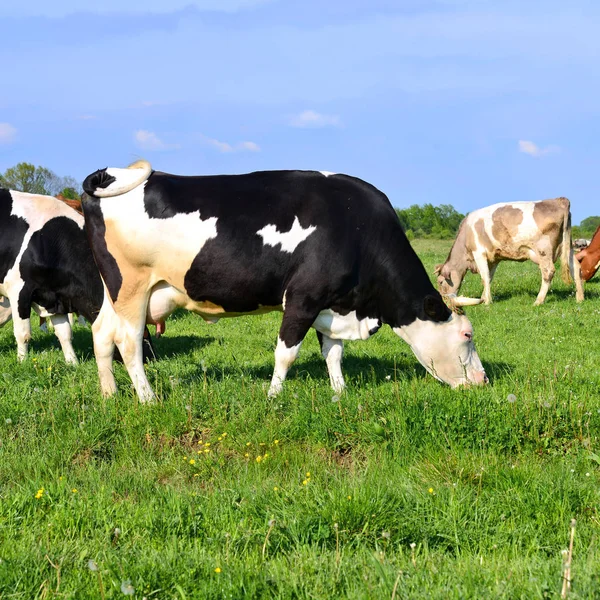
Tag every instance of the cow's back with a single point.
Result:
(236, 240)
(509, 230)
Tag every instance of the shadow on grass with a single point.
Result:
(366, 368)
(165, 347)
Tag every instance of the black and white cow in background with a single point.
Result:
(325, 249)
(46, 264)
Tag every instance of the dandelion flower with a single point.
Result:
(275, 489)
(192, 461)
(248, 443)
(127, 588)
(74, 490)
(246, 455)
(206, 450)
(92, 566)
(276, 442)
(196, 475)
(218, 570)
(511, 398)
(207, 444)
(349, 497)
(259, 458)
(305, 482)
(430, 490)
(308, 474)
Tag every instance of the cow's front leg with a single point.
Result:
(294, 327)
(333, 351)
(62, 330)
(484, 272)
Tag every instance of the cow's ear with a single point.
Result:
(435, 308)
(437, 269)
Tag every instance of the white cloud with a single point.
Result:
(249, 146)
(8, 133)
(148, 140)
(528, 147)
(225, 147)
(311, 118)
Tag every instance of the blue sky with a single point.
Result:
(466, 102)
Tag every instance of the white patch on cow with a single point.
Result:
(345, 327)
(125, 179)
(327, 173)
(289, 240)
(166, 246)
(527, 230)
(445, 349)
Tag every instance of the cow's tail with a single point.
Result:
(569, 267)
(565, 258)
(114, 182)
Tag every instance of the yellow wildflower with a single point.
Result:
(192, 461)
(305, 482)
(430, 490)
(258, 459)
(74, 490)
(218, 570)
(275, 489)
(276, 442)
(308, 474)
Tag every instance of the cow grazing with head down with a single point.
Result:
(325, 249)
(536, 231)
(589, 257)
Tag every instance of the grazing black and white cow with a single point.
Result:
(46, 264)
(325, 249)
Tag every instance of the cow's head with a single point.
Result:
(442, 340)
(448, 279)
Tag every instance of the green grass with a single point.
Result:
(441, 493)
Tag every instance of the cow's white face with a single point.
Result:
(445, 349)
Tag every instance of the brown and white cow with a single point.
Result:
(325, 249)
(589, 258)
(537, 231)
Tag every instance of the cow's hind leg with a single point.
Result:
(294, 327)
(547, 269)
(129, 333)
(333, 351)
(62, 330)
(103, 331)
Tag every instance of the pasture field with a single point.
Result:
(400, 488)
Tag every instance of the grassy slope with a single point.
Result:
(448, 494)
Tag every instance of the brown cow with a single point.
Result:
(538, 231)
(589, 258)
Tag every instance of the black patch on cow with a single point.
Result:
(12, 233)
(96, 230)
(435, 308)
(59, 271)
(98, 179)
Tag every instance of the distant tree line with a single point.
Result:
(586, 228)
(25, 177)
(428, 221)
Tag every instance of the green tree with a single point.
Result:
(25, 177)
(430, 221)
